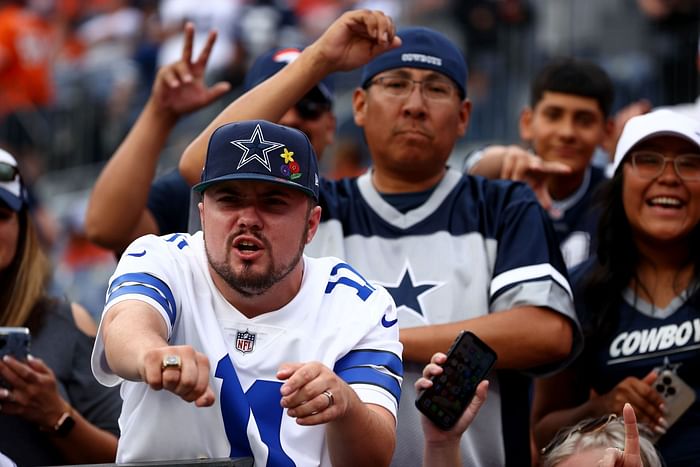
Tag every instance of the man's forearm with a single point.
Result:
(129, 330)
(523, 338)
(365, 437)
(120, 194)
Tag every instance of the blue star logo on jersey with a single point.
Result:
(407, 291)
(257, 148)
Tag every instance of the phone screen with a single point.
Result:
(14, 341)
(469, 360)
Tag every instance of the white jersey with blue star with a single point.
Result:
(337, 318)
(474, 247)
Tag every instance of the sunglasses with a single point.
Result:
(592, 425)
(8, 172)
(312, 109)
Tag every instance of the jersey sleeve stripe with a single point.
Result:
(360, 358)
(527, 273)
(139, 289)
(149, 281)
(365, 375)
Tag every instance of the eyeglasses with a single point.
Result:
(592, 425)
(311, 109)
(8, 172)
(431, 89)
(650, 164)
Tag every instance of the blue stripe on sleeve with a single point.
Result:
(359, 358)
(140, 289)
(154, 282)
(365, 375)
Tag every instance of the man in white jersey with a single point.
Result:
(230, 342)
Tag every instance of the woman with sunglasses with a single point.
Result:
(52, 410)
(638, 298)
(609, 441)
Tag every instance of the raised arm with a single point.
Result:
(117, 212)
(351, 41)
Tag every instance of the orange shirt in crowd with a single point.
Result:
(25, 60)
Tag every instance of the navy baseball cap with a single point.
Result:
(273, 61)
(11, 187)
(421, 48)
(263, 151)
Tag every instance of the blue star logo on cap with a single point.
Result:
(256, 148)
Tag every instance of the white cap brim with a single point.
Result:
(658, 123)
(11, 192)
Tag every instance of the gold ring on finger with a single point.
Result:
(171, 361)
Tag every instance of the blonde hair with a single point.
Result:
(25, 278)
(597, 433)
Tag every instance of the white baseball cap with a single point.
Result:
(11, 190)
(657, 123)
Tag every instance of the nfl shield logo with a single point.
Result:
(245, 341)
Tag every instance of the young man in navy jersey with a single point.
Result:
(455, 252)
(568, 118)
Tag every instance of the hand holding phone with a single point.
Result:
(468, 362)
(678, 395)
(15, 342)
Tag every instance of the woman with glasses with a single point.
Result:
(52, 410)
(638, 298)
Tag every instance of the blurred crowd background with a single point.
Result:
(93, 62)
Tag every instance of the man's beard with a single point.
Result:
(248, 283)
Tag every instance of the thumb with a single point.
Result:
(287, 369)
(543, 196)
(555, 167)
(650, 377)
(217, 90)
(207, 399)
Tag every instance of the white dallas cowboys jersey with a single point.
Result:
(337, 318)
(474, 247)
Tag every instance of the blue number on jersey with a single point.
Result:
(174, 237)
(262, 400)
(364, 290)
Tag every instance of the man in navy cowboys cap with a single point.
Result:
(273, 348)
(454, 251)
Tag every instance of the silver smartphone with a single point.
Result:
(678, 396)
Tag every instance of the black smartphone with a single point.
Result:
(468, 362)
(15, 341)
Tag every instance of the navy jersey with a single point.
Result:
(474, 247)
(646, 338)
(169, 202)
(575, 219)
